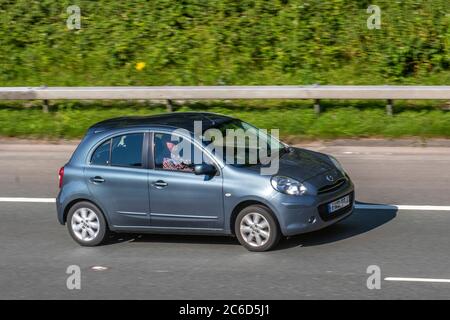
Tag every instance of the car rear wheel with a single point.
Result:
(86, 224)
(257, 229)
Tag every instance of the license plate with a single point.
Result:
(338, 204)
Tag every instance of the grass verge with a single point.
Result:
(294, 119)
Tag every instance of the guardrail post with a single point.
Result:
(317, 107)
(169, 105)
(45, 106)
(45, 103)
(390, 107)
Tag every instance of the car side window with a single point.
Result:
(126, 150)
(101, 154)
(173, 153)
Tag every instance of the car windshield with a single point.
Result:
(241, 144)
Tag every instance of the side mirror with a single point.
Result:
(204, 168)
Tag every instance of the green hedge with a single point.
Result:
(213, 42)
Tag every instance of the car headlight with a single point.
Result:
(288, 185)
(337, 164)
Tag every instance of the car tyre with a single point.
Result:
(86, 224)
(257, 229)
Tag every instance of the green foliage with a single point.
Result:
(233, 42)
(211, 42)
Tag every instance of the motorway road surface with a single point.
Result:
(332, 263)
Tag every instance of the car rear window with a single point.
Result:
(101, 154)
(127, 150)
(123, 151)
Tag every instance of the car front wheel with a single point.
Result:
(257, 229)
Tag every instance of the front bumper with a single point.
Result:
(302, 214)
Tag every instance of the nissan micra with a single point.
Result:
(168, 174)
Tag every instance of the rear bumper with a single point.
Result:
(303, 214)
(59, 209)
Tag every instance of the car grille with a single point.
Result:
(332, 187)
(323, 209)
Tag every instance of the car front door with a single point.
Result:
(179, 198)
(118, 180)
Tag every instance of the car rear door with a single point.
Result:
(118, 179)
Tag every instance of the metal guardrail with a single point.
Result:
(171, 93)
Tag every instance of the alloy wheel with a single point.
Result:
(85, 224)
(255, 229)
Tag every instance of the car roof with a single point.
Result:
(176, 120)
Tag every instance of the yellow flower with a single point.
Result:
(140, 66)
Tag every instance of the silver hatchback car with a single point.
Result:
(129, 175)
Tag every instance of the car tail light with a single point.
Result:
(61, 176)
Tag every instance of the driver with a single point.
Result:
(173, 160)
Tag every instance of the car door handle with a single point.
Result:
(160, 184)
(96, 179)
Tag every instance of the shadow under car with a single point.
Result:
(361, 221)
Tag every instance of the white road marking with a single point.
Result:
(357, 206)
(99, 268)
(401, 207)
(18, 199)
(417, 280)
